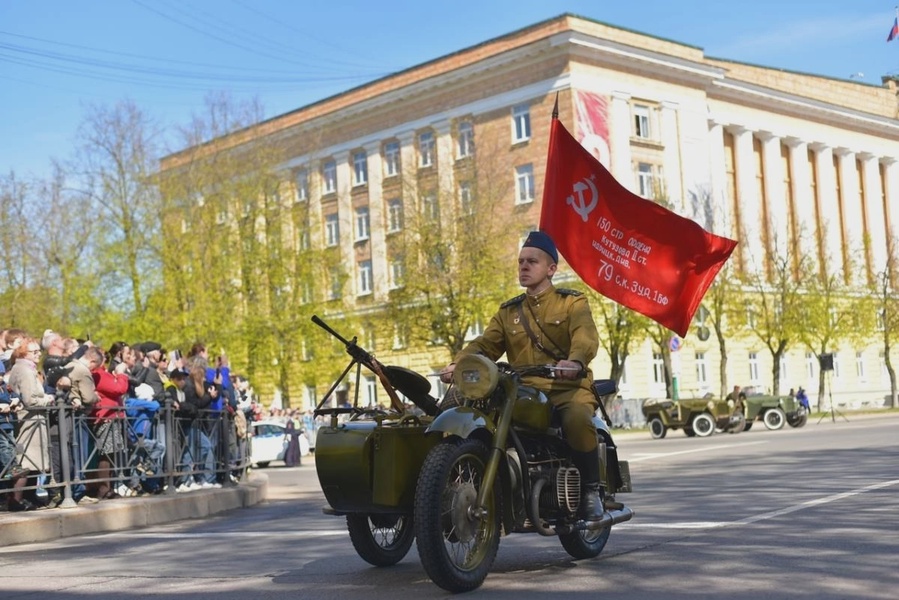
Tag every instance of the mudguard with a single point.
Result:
(462, 421)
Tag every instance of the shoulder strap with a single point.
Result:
(513, 301)
(530, 332)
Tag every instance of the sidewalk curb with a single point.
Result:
(128, 513)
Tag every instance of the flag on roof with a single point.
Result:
(894, 30)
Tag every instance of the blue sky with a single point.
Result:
(57, 57)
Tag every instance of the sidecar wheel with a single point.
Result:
(456, 548)
(798, 420)
(585, 544)
(381, 540)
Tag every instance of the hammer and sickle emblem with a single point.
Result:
(580, 205)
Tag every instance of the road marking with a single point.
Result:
(762, 516)
(649, 456)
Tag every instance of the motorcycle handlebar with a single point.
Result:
(549, 371)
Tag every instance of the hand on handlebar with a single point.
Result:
(569, 369)
(446, 375)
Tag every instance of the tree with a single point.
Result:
(113, 168)
(886, 298)
(619, 328)
(774, 309)
(456, 249)
(723, 305)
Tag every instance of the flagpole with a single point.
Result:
(556, 107)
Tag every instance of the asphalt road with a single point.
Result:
(807, 513)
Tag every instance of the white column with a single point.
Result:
(379, 267)
(874, 218)
(670, 138)
(749, 229)
(803, 202)
(722, 216)
(345, 218)
(775, 194)
(851, 214)
(891, 194)
(445, 173)
(830, 220)
(620, 139)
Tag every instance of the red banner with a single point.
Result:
(629, 249)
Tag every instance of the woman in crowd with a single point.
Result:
(25, 382)
(108, 417)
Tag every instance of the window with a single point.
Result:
(391, 159)
(394, 215)
(426, 149)
(810, 361)
(400, 336)
(306, 292)
(836, 365)
(860, 366)
(329, 176)
(521, 123)
(332, 230)
(303, 239)
(397, 271)
(524, 184)
(476, 329)
(334, 292)
(466, 204)
(310, 396)
(465, 141)
(754, 368)
(302, 184)
(641, 122)
(702, 370)
(430, 210)
(360, 168)
(658, 368)
(364, 273)
(370, 391)
(363, 223)
(305, 352)
(646, 186)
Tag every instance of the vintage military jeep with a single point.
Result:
(773, 411)
(696, 416)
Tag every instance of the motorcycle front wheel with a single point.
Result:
(456, 547)
(381, 540)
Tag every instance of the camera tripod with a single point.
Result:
(833, 411)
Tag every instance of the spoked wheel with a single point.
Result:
(381, 540)
(774, 419)
(456, 546)
(703, 425)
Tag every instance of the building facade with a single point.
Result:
(781, 161)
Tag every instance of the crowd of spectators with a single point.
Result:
(83, 422)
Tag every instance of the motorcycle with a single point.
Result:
(456, 478)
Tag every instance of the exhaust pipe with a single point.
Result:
(609, 518)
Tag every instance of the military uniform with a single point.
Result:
(561, 321)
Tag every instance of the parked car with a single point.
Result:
(696, 416)
(773, 411)
(269, 440)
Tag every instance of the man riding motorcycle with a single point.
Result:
(549, 324)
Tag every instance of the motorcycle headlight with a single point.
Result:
(476, 376)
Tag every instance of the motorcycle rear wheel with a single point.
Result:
(381, 540)
(456, 549)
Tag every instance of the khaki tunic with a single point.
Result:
(561, 320)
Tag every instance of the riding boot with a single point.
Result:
(591, 507)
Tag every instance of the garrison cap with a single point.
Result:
(542, 241)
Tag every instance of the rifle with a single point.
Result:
(361, 356)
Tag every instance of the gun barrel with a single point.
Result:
(326, 327)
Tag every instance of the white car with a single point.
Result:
(269, 442)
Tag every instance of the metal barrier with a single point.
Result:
(164, 452)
